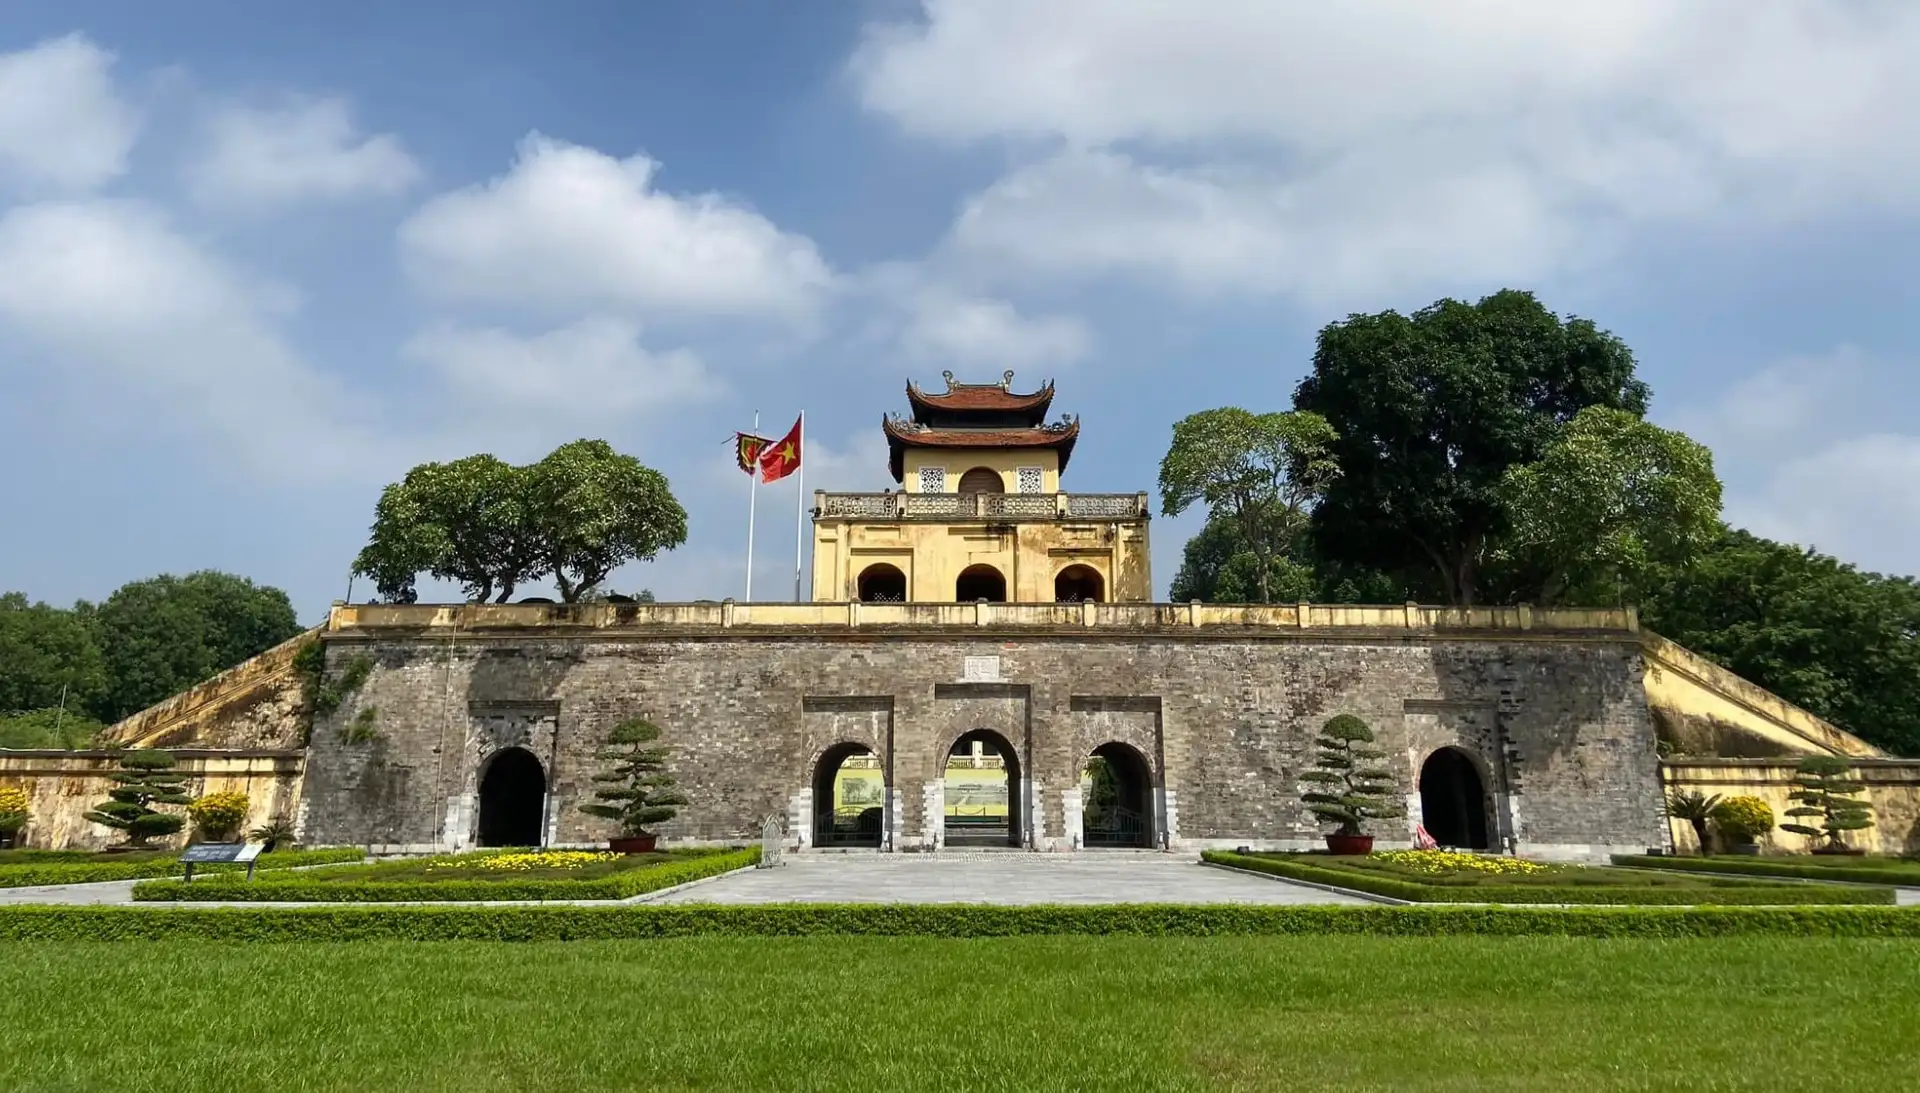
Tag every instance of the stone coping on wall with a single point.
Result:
(1707, 769)
(1184, 619)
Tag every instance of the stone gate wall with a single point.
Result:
(1225, 716)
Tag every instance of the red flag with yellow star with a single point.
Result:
(782, 457)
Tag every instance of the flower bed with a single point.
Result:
(1425, 876)
(84, 867)
(468, 877)
(1865, 869)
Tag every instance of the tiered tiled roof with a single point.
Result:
(969, 400)
(903, 434)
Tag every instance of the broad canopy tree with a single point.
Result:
(1430, 411)
(491, 527)
(1259, 472)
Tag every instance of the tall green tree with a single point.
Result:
(466, 521)
(1817, 632)
(1612, 496)
(48, 655)
(594, 510)
(160, 636)
(1259, 472)
(1430, 411)
(1217, 566)
(491, 527)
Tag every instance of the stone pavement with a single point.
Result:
(996, 877)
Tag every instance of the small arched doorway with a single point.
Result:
(849, 797)
(982, 480)
(980, 582)
(982, 777)
(1453, 800)
(1116, 798)
(882, 583)
(1079, 584)
(513, 799)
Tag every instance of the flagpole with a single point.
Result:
(753, 493)
(800, 507)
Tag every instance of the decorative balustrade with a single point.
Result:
(1010, 507)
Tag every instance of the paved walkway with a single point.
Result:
(1005, 878)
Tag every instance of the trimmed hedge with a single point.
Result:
(33, 876)
(1765, 867)
(618, 886)
(1393, 888)
(647, 921)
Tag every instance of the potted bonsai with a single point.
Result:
(1741, 821)
(639, 789)
(1824, 800)
(218, 816)
(1350, 785)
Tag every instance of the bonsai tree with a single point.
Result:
(145, 779)
(1696, 808)
(219, 815)
(1743, 819)
(13, 813)
(1825, 795)
(639, 789)
(1351, 787)
(272, 833)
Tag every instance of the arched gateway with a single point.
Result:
(1453, 800)
(982, 778)
(1116, 799)
(513, 799)
(849, 798)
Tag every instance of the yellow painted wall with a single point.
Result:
(1705, 709)
(63, 786)
(1893, 789)
(959, 461)
(1029, 555)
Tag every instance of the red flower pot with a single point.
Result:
(633, 844)
(1350, 845)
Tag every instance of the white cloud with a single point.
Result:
(573, 229)
(130, 311)
(952, 328)
(1797, 445)
(61, 122)
(1318, 149)
(595, 369)
(304, 149)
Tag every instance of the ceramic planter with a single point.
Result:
(633, 844)
(1350, 845)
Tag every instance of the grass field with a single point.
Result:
(1007, 1014)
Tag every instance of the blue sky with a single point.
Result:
(257, 260)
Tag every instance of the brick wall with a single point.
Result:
(1557, 724)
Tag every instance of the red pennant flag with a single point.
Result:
(781, 459)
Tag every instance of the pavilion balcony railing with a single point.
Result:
(1009, 507)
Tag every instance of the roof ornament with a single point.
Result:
(948, 376)
(1006, 380)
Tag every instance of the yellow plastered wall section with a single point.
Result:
(1702, 702)
(958, 461)
(63, 786)
(932, 554)
(1892, 788)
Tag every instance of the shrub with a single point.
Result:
(145, 779)
(1893, 871)
(1825, 793)
(1696, 808)
(219, 815)
(1351, 788)
(642, 792)
(14, 806)
(1743, 819)
(273, 833)
(117, 867)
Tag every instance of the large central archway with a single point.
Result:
(981, 480)
(982, 776)
(1116, 799)
(1079, 584)
(513, 799)
(980, 582)
(882, 583)
(1453, 800)
(849, 798)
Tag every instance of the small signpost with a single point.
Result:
(772, 842)
(203, 853)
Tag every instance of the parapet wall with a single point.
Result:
(1708, 710)
(255, 704)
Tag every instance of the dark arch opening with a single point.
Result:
(849, 796)
(1079, 584)
(513, 798)
(982, 480)
(882, 583)
(980, 582)
(983, 791)
(1116, 806)
(1453, 800)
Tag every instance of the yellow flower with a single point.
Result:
(1436, 862)
(525, 860)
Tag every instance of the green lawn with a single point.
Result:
(1135, 1014)
(79, 857)
(1868, 868)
